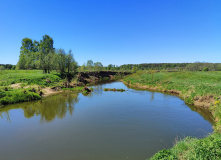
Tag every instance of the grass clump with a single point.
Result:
(18, 95)
(193, 148)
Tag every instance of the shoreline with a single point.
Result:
(199, 103)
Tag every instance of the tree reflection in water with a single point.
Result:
(48, 108)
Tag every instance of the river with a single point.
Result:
(104, 125)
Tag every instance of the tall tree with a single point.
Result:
(27, 46)
(70, 62)
(98, 66)
(90, 65)
(25, 52)
(61, 60)
(46, 51)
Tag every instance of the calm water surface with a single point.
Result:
(101, 126)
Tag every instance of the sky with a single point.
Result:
(116, 31)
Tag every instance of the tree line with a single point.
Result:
(7, 66)
(42, 55)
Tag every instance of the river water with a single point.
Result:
(104, 125)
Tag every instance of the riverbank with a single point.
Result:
(201, 89)
(28, 85)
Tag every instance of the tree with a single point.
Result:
(83, 68)
(70, 62)
(21, 62)
(46, 44)
(61, 60)
(27, 46)
(90, 65)
(98, 66)
(109, 67)
(46, 53)
(135, 68)
(25, 52)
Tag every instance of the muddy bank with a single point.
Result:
(199, 102)
(92, 77)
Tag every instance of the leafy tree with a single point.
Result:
(70, 62)
(90, 65)
(46, 53)
(27, 46)
(25, 53)
(46, 44)
(22, 62)
(61, 60)
(98, 66)
(135, 68)
(82, 68)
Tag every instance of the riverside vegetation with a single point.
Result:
(28, 85)
(199, 88)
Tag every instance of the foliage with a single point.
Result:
(7, 66)
(192, 148)
(204, 66)
(42, 55)
(17, 95)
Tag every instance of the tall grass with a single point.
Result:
(8, 77)
(193, 148)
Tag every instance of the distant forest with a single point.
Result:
(42, 55)
(145, 66)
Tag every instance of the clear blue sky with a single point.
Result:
(116, 31)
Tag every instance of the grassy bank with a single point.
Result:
(202, 89)
(192, 148)
(28, 85)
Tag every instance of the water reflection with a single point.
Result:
(48, 108)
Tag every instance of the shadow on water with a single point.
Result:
(48, 108)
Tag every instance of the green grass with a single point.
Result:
(18, 95)
(25, 77)
(193, 148)
(28, 77)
